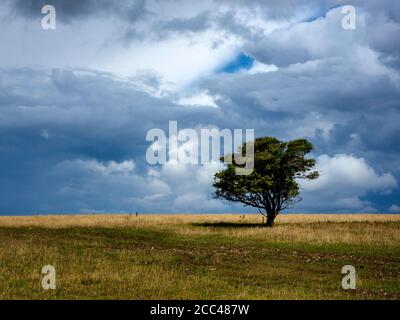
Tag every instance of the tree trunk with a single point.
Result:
(270, 219)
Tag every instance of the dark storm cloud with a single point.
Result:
(361, 104)
(68, 11)
(50, 138)
(198, 23)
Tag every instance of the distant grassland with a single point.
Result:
(200, 256)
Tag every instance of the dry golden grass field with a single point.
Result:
(200, 256)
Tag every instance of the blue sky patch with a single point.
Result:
(241, 62)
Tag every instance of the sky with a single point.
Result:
(77, 102)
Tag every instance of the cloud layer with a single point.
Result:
(76, 102)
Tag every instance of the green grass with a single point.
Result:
(200, 260)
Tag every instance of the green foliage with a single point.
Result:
(273, 184)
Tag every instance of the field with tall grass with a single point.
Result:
(200, 256)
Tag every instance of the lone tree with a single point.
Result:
(272, 186)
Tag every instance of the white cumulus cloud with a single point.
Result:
(344, 180)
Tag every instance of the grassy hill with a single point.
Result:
(200, 256)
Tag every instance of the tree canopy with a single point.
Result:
(273, 184)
